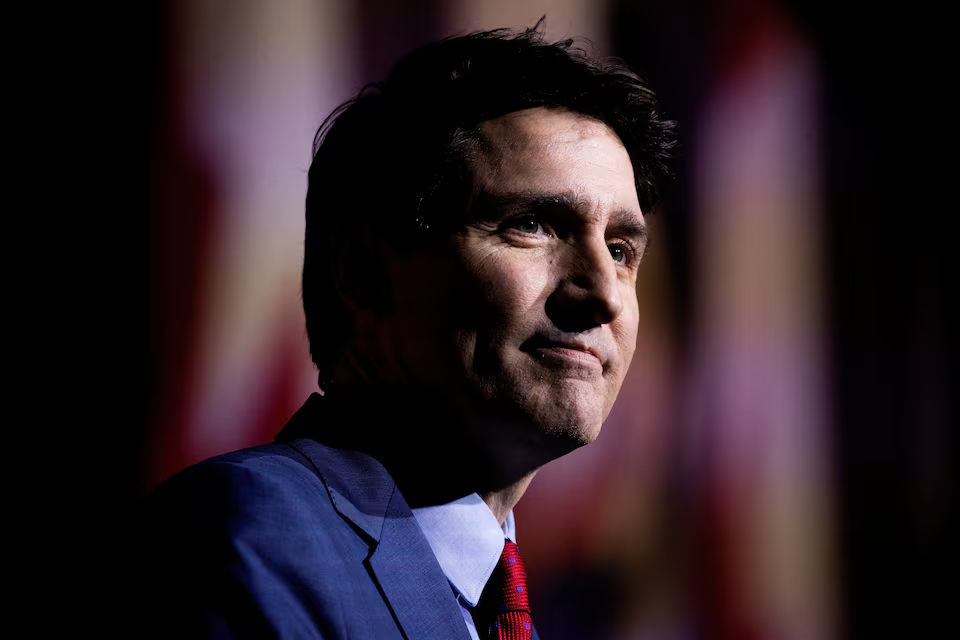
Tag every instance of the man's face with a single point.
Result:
(532, 309)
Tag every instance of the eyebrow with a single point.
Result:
(622, 221)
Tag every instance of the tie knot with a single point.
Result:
(513, 579)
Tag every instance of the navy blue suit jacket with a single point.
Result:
(293, 539)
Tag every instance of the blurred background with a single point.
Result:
(778, 465)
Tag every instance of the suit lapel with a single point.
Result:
(411, 579)
(402, 562)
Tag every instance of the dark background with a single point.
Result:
(889, 221)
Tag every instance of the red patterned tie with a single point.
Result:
(505, 597)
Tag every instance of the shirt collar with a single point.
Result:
(467, 540)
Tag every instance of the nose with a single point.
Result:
(588, 288)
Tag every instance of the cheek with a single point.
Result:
(421, 317)
(625, 327)
(505, 294)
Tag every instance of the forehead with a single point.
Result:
(541, 124)
(555, 151)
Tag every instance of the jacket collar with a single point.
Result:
(401, 561)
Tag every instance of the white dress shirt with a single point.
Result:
(467, 540)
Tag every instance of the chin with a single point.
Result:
(585, 433)
(571, 430)
(590, 432)
(556, 416)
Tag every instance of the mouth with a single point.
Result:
(563, 351)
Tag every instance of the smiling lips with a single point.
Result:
(564, 351)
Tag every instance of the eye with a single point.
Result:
(526, 224)
(618, 252)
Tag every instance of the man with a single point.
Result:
(475, 224)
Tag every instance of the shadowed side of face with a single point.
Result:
(530, 312)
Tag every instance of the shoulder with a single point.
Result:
(236, 480)
(226, 538)
(257, 485)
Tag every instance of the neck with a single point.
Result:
(432, 451)
(501, 501)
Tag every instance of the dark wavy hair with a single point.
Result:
(393, 158)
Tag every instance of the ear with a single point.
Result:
(360, 271)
